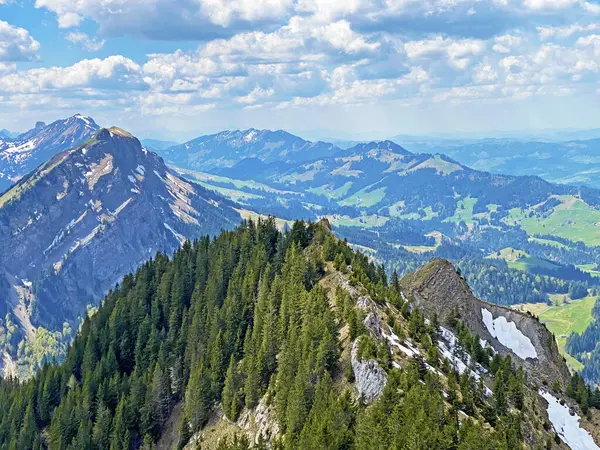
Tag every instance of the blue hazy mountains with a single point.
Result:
(226, 149)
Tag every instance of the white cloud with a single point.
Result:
(458, 52)
(484, 73)
(112, 73)
(16, 44)
(69, 20)
(506, 43)
(549, 4)
(548, 32)
(592, 8)
(82, 39)
(256, 94)
(168, 19)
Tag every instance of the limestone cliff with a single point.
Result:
(437, 288)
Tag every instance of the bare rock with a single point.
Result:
(370, 378)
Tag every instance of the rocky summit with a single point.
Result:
(73, 227)
(438, 289)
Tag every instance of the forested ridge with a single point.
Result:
(242, 319)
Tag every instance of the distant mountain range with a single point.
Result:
(228, 148)
(70, 229)
(374, 182)
(5, 134)
(155, 144)
(21, 154)
(571, 162)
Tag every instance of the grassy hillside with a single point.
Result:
(565, 317)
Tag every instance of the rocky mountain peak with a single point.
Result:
(74, 226)
(438, 288)
(21, 155)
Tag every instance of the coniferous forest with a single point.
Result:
(243, 319)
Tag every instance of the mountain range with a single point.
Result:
(571, 162)
(227, 148)
(5, 134)
(21, 154)
(379, 183)
(70, 229)
(401, 207)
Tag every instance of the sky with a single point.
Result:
(353, 69)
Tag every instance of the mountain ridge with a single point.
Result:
(94, 212)
(223, 149)
(260, 337)
(22, 154)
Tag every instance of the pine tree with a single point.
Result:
(198, 398)
(102, 428)
(230, 395)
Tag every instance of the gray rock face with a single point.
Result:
(437, 288)
(22, 154)
(73, 228)
(370, 378)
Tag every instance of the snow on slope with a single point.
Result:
(509, 335)
(567, 426)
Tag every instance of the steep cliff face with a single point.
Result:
(72, 228)
(437, 288)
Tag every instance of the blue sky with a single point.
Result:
(346, 68)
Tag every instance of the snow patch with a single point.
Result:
(131, 178)
(250, 137)
(122, 206)
(179, 237)
(509, 335)
(394, 341)
(567, 426)
(461, 361)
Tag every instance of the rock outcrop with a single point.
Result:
(437, 288)
(369, 378)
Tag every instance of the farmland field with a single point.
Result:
(563, 319)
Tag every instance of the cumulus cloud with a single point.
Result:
(549, 4)
(165, 19)
(459, 53)
(112, 73)
(506, 43)
(16, 44)
(208, 19)
(548, 32)
(293, 54)
(86, 42)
